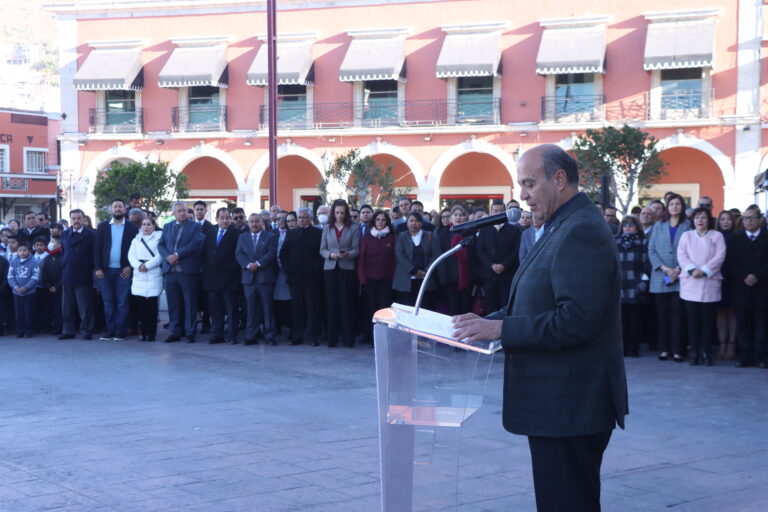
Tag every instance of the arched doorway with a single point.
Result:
(297, 182)
(690, 173)
(211, 181)
(473, 180)
(404, 180)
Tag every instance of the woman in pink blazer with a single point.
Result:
(701, 254)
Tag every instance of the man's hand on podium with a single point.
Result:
(471, 327)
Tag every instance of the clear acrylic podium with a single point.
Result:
(428, 388)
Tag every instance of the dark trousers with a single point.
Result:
(566, 472)
(752, 334)
(146, 314)
(204, 308)
(282, 314)
(701, 327)
(181, 292)
(54, 306)
(631, 315)
(459, 301)
(380, 295)
(409, 298)
(77, 304)
(7, 320)
(116, 293)
(339, 304)
(496, 290)
(43, 310)
(669, 315)
(260, 310)
(24, 308)
(306, 310)
(222, 302)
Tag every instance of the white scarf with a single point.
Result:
(379, 234)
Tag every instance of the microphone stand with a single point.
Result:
(469, 239)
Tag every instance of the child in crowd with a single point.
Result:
(13, 244)
(56, 230)
(4, 234)
(50, 276)
(41, 298)
(23, 276)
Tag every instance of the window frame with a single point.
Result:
(27, 151)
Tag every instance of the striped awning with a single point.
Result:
(195, 65)
(374, 58)
(679, 44)
(470, 55)
(295, 65)
(111, 69)
(572, 49)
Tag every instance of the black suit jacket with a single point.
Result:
(103, 244)
(221, 271)
(24, 236)
(77, 262)
(744, 257)
(300, 256)
(561, 331)
(206, 226)
(494, 247)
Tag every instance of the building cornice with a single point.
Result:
(475, 28)
(695, 14)
(574, 22)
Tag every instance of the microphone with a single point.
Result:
(511, 215)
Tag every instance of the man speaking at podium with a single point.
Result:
(564, 381)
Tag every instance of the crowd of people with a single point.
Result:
(689, 281)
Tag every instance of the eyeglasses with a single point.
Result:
(238, 217)
(749, 217)
(447, 216)
(290, 220)
(705, 205)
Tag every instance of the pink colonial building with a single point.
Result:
(450, 92)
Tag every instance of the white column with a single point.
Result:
(748, 137)
(68, 68)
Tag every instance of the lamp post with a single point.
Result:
(272, 97)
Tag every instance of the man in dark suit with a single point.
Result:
(113, 270)
(303, 266)
(32, 230)
(220, 277)
(77, 278)
(180, 248)
(497, 250)
(564, 381)
(200, 210)
(256, 253)
(746, 271)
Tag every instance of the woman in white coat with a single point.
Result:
(147, 277)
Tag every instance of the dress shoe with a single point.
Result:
(149, 338)
(295, 342)
(663, 356)
(315, 344)
(271, 343)
(250, 342)
(233, 342)
(744, 364)
(190, 339)
(678, 358)
(67, 337)
(331, 345)
(107, 337)
(205, 329)
(215, 340)
(142, 338)
(87, 337)
(172, 339)
(763, 365)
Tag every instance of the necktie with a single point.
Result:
(254, 240)
(752, 237)
(179, 228)
(218, 238)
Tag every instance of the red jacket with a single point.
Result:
(377, 257)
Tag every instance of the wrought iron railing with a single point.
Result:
(101, 120)
(682, 105)
(577, 108)
(383, 114)
(199, 118)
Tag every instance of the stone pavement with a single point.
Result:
(137, 427)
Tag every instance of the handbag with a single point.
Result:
(478, 301)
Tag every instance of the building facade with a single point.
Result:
(28, 163)
(448, 92)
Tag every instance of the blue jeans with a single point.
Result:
(115, 292)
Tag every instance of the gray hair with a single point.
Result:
(136, 211)
(177, 203)
(554, 158)
(305, 209)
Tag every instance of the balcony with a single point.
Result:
(573, 109)
(385, 114)
(199, 118)
(681, 105)
(100, 120)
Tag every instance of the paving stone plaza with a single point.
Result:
(93, 426)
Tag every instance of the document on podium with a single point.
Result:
(438, 325)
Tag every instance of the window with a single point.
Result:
(35, 160)
(681, 89)
(4, 159)
(291, 104)
(474, 99)
(574, 93)
(120, 108)
(380, 100)
(204, 106)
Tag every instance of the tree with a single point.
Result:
(358, 180)
(157, 185)
(628, 155)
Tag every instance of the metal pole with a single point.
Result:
(272, 97)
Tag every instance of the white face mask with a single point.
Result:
(51, 246)
(322, 218)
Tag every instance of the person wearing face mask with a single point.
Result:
(726, 315)
(50, 277)
(147, 284)
(322, 216)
